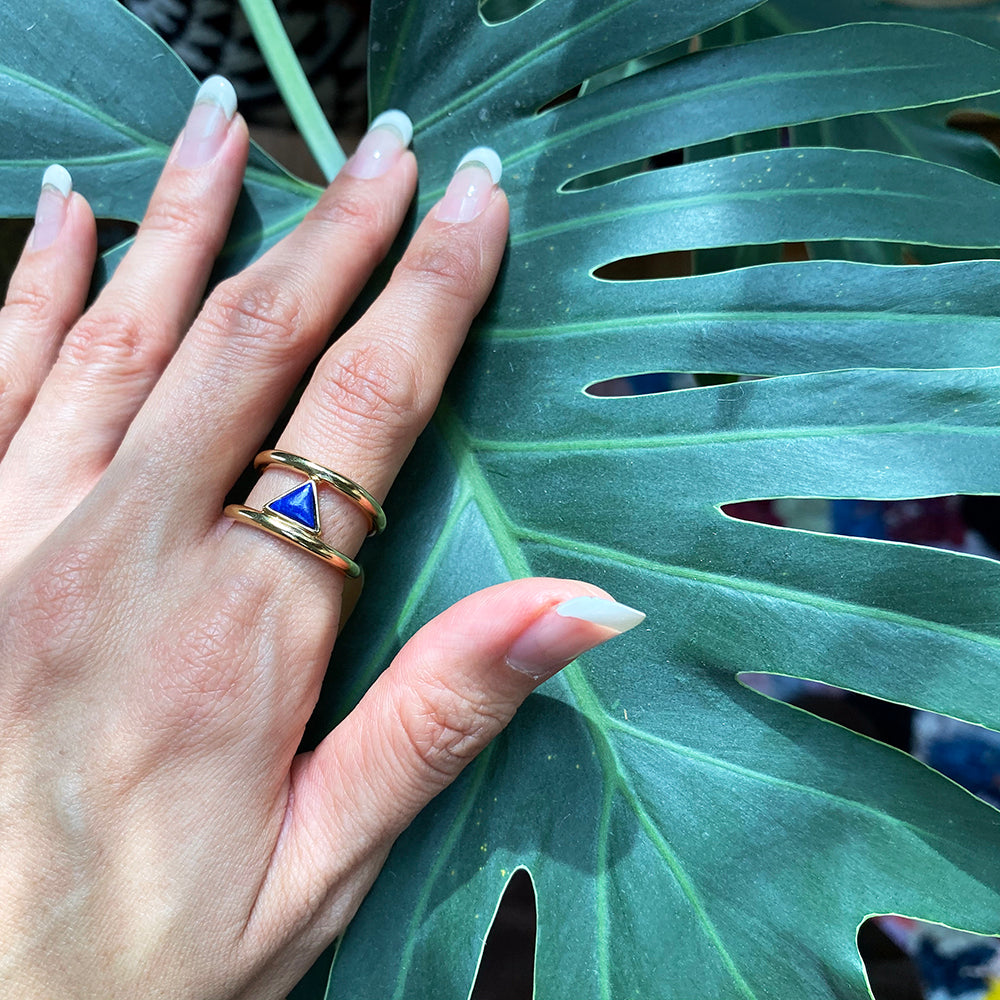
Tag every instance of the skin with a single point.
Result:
(159, 835)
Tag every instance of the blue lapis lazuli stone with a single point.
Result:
(298, 504)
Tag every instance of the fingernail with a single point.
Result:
(472, 186)
(208, 122)
(52, 202)
(562, 633)
(382, 145)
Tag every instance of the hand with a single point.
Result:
(159, 834)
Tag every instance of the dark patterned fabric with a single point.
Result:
(330, 39)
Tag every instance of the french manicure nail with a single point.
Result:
(208, 122)
(387, 136)
(471, 187)
(52, 203)
(562, 633)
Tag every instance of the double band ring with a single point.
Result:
(294, 516)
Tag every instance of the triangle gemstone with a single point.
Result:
(298, 504)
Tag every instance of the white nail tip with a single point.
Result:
(58, 177)
(601, 611)
(219, 91)
(397, 120)
(486, 157)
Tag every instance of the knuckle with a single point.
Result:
(30, 300)
(445, 729)
(254, 310)
(114, 339)
(372, 383)
(16, 396)
(357, 212)
(444, 266)
(55, 607)
(174, 217)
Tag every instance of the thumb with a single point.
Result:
(450, 690)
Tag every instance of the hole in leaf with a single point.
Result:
(507, 966)
(623, 70)
(650, 383)
(502, 11)
(955, 523)
(682, 263)
(639, 384)
(640, 64)
(672, 264)
(564, 98)
(608, 175)
(892, 973)
(13, 235)
(983, 123)
(111, 232)
(885, 721)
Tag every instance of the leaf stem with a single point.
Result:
(288, 74)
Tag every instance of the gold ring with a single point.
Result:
(294, 516)
(348, 487)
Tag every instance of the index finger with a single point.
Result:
(374, 391)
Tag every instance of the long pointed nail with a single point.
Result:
(387, 136)
(564, 632)
(53, 201)
(208, 122)
(471, 187)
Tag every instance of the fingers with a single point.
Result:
(112, 356)
(259, 331)
(373, 392)
(46, 295)
(452, 688)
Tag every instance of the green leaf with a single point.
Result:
(915, 131)
(677, 826)
(687, 837)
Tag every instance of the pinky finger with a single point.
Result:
(45, 297)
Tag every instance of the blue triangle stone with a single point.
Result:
(299, 504)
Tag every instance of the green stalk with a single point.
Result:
(292, 84)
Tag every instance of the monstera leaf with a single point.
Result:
(686, 837)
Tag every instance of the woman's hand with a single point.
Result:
(159, 835)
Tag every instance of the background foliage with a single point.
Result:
(686, 836)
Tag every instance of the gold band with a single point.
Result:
(283, 527)
(294, 516)
(348, 487)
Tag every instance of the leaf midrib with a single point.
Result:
(630, 320)
(604, 445)
(756, 195)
